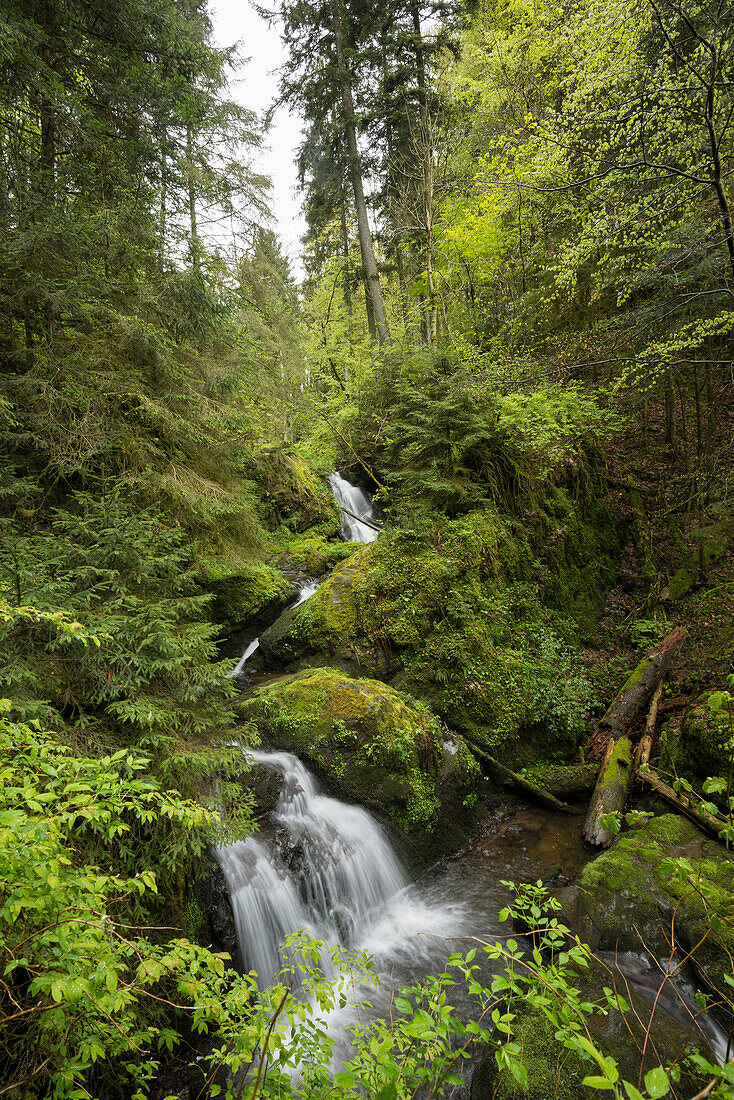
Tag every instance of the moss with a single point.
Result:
(554, 1073)
(441, 614)
(562, 779)
(242, 591)
(618, 767)
(704, 745)
(313, 555)
(714, 541)
(293, 494)
(371, 744)
(662, 873)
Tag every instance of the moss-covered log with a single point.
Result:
(641, 690)
(539, 794)
(633, 700)
(610, 793)
(706, 821)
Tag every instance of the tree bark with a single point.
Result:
(371, 275)
(540, 794)
(610, 793)
(702, 818)
(642, 689)
(631, 702)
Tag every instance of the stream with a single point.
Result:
(322, 865)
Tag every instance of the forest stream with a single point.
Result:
(329, 868)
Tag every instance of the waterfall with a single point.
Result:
(329, 870)
(307, 589)
(356, 501)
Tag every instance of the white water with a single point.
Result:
(307, 589)
(357, 501)
(331, 872)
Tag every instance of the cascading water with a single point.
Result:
(307, 589)
(355, 501)
(329, 870)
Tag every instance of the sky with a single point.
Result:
(256, 87)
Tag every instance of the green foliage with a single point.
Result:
(82, 983)
(130, 580)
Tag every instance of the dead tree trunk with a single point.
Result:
(642, 690)
(702, 818)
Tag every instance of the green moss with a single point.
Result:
(371, 744)
(704, 745)
(293, 494)
(553, 1072)
(242, 591)
(619, 765)
(662, 874)
(441, 614)
(313, 555)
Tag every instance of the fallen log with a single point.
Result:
(630, 703)
(508, 776)
(610, 793)
(361, 519)
(642, 689)
(706, 821)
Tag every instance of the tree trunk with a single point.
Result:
(643, 689)
(632, 701)
(426, 139)
(704, 820)
(610, 793)
(539, 794)
(371, 275)
(193, 225)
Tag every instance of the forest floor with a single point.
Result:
(652, 495)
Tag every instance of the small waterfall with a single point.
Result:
(307, 589)
(356, 501)
(329, 870)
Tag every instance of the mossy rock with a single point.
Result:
(713, 542)
(564, 780)
(556, 1073)
(443, 615)
(241, 591)
(626, 898)
(553, 1072)
(313, 555)
(705, 743)
(372, 745)
(293, 494)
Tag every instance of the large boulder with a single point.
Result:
(372, 745)
(450, 615)
(705, 742)
(293, 495)
(244, 591)
(556, 1073)
(662, 877)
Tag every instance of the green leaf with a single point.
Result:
(657, 1083)
(601, 1083)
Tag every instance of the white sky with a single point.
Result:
(257, 88)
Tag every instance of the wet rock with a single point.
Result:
(666, 877)
(293, 493)
(374, 745)
(556, 1073)
(208, 913)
